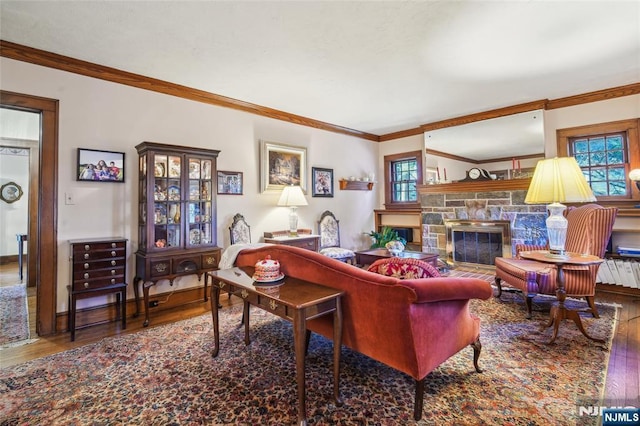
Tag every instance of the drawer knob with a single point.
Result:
(113, 253)
(113, 245)
(86, 266)
(113, 272)
(86, 275)
(87, 247)
(113, 263)
(86, 285)
(86, 255)
(113, 280)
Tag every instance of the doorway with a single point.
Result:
(42, 243)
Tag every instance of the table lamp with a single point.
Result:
(634, 175)
(556, 181)
(292, 196)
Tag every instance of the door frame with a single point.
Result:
(43, 213)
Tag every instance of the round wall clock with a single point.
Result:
(10, 192)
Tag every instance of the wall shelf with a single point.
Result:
(356, 185)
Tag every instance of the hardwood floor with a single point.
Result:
(623, 374)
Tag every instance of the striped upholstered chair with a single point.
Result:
(588, 232)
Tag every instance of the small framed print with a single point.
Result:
(322, 181)
(100, 166)
(230, 183)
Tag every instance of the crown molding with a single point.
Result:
(76, 66)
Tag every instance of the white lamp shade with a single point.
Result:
(292, 196)
(558, 180)
(634, 175)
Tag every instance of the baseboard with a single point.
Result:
(107, 313)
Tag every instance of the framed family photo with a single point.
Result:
(322, 181)
(100, 166)
(282, 165)
(230, 183)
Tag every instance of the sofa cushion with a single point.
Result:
(403, 268)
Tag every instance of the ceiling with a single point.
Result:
(372, 66)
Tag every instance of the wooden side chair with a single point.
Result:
(239, 231)
(588, 232)
(329, 230)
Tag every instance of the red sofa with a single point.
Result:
(411, 325)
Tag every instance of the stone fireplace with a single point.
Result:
(477, 242)
(501, 201)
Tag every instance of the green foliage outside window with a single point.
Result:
(404, 177)
(602, 159)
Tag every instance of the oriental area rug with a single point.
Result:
(166, 376)
(14, 316)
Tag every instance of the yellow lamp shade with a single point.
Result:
(558, 180)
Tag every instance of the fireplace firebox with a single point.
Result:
(477, 243)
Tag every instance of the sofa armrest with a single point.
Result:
(439, 289)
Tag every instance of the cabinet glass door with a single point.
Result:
(167, 201)
(199, 205)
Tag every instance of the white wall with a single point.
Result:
(102, 115)
(14, 216)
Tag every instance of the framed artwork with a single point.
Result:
(230, 183)
(10, 192)
(100, 166)
(282, 165)
(322, 181)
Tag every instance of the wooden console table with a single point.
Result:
(305, 239)
(292, 299)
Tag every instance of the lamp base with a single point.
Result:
(293, 222)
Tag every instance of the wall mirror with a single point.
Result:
(497, 139)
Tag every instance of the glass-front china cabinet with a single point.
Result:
(176, 215)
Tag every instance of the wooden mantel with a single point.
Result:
(475, 186)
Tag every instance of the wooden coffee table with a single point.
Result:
(367, 257)
(292, 299)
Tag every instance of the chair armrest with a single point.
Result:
(529, 247)
(439, 289)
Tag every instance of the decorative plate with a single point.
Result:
(268, 281)
(174, 193)
(159, 170)
(195, 236)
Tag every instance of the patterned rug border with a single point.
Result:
(7, 317)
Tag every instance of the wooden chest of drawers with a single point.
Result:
(98, 267)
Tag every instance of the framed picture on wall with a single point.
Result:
(322, 181)
(230, 183)
(100, 166)
(282, 165)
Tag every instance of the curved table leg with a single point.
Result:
(215, 293)
(145, 290)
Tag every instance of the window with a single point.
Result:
(606, 152)
(403, 173)
(603, 160)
